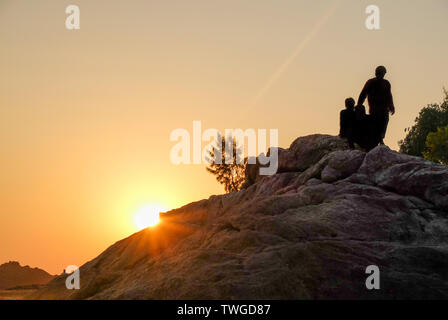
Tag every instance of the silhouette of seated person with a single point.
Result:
(378, 93)
(347, 122)
(358, 127)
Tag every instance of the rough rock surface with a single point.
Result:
(308, 232)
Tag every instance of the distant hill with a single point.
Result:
(308, 232)
(12, 274)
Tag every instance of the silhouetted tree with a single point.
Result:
(430, 118)
(437, 146)
(231, 175)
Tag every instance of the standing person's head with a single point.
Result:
(380, 72)
(349, 103)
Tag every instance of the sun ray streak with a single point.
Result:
(320, 23)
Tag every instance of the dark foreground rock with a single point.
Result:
(308, 232)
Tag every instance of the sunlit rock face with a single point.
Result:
(307, 232)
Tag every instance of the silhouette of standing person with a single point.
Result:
(378, 93)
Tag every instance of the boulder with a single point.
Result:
(308, 232)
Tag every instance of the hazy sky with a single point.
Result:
(86, 115)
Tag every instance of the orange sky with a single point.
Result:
(85, 116)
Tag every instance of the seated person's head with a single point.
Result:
(350, 103)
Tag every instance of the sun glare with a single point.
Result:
(147, 216)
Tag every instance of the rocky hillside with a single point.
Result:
(12, 274)
(308, 232)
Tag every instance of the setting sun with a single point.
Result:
(147, 216)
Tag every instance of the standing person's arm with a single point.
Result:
(363, 94)
(390, 99)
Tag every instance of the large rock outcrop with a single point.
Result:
(12, 274)
(308, 232)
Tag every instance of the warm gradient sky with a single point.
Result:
(85, 116)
